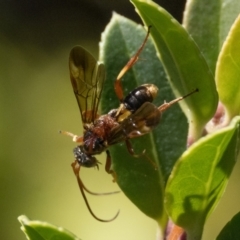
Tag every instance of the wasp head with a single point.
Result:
(84, 159)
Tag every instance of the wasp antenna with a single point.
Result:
(97, 194)
(76, 170)
(166, 105)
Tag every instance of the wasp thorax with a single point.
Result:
(93, 143)
(84, 159)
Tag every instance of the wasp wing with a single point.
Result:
(137, 124)
(87, 78)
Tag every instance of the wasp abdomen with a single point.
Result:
(144, 93)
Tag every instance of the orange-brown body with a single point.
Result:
(97, 133)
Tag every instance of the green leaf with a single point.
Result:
(199, 178)
(36, 230)
(184, 64)
(137, 176)
(231, 229)
(208, 22)
(228, 72)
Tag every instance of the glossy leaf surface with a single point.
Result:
(184, 64)
(231, 229)
(136, 176)
(228, 72)
(209, 22)
(36, 230)
(199, 178)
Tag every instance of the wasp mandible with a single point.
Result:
(136, 115)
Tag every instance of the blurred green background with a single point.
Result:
(37, 101)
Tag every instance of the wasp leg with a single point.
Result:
(75, 138)
(131, 151)
(142, 154)
(108, 167)
(76, 170)
(118, 84)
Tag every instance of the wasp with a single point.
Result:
(135, 117)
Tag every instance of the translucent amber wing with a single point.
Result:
(87, 78)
